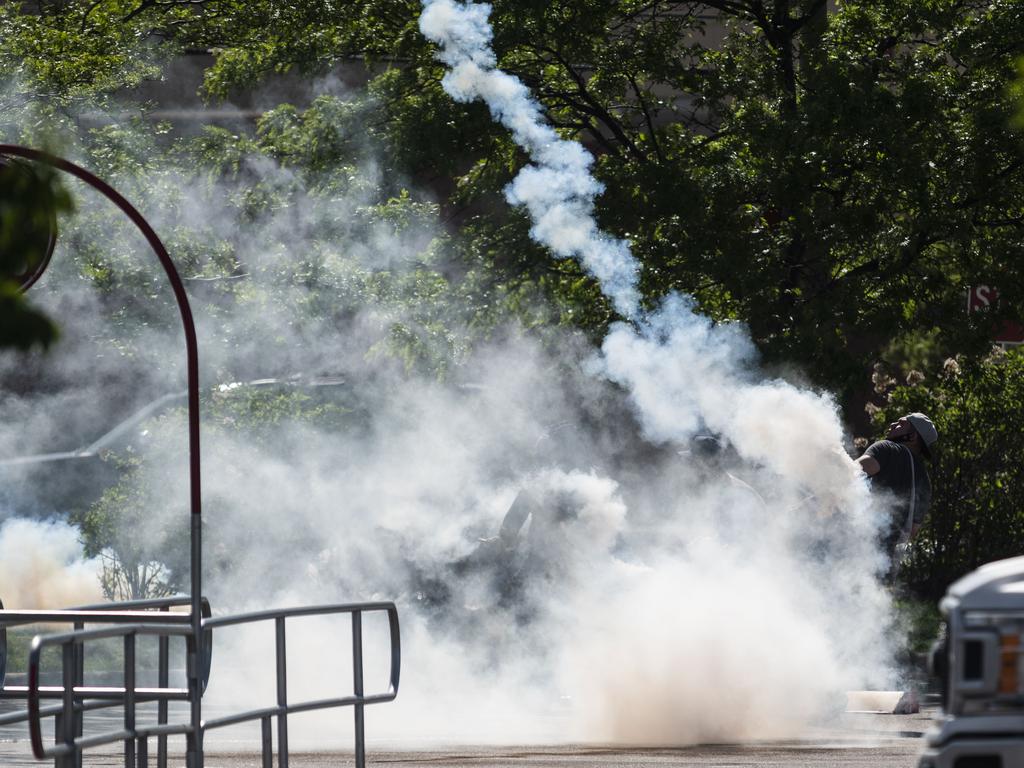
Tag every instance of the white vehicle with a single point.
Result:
(982, 671)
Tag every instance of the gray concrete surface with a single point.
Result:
(860, 741)
(901, 753)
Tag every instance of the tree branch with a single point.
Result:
(592, 106)
(88, 11)
(908, 255)
(752, 10)
(142, 7)
(647, 118)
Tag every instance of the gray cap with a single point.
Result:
(924, 428)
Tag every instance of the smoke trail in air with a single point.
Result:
(558, 189)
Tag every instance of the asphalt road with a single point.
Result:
(901, 753)
(878, 741)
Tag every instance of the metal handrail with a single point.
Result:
(358, 700)
(35, 616)
(145, 604)
(126, 611)
(71, 742)
(161, 603)
(153, 610)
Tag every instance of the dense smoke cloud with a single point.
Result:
(645, 596)
(684, 376)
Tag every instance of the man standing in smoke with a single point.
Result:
(896, 465)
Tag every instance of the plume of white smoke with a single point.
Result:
(41, 566)
(734, 618)
(686, 374)
(558, 189)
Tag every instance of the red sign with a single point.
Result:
(983, 297)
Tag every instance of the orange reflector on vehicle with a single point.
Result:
(1009, 653)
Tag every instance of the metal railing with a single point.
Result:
(69, 745)
(132, 612)
(69, 741)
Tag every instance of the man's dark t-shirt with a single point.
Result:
(894, 475)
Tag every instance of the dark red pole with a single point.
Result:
(195, 756)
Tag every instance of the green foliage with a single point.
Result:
(977, 479)
(141, 557)
(295, 215)
(75, 49)
(834, 179)
(919, 621)
(30, 198)
(105, 657)
(259, 412)
(1017, 95)
(21, 326)
(19, 644)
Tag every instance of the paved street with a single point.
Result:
(901, 752)
(867, 741)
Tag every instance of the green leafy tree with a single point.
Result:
(835, 178)
(29, 201)
(137, 558)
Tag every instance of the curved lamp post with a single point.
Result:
(32, 273)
